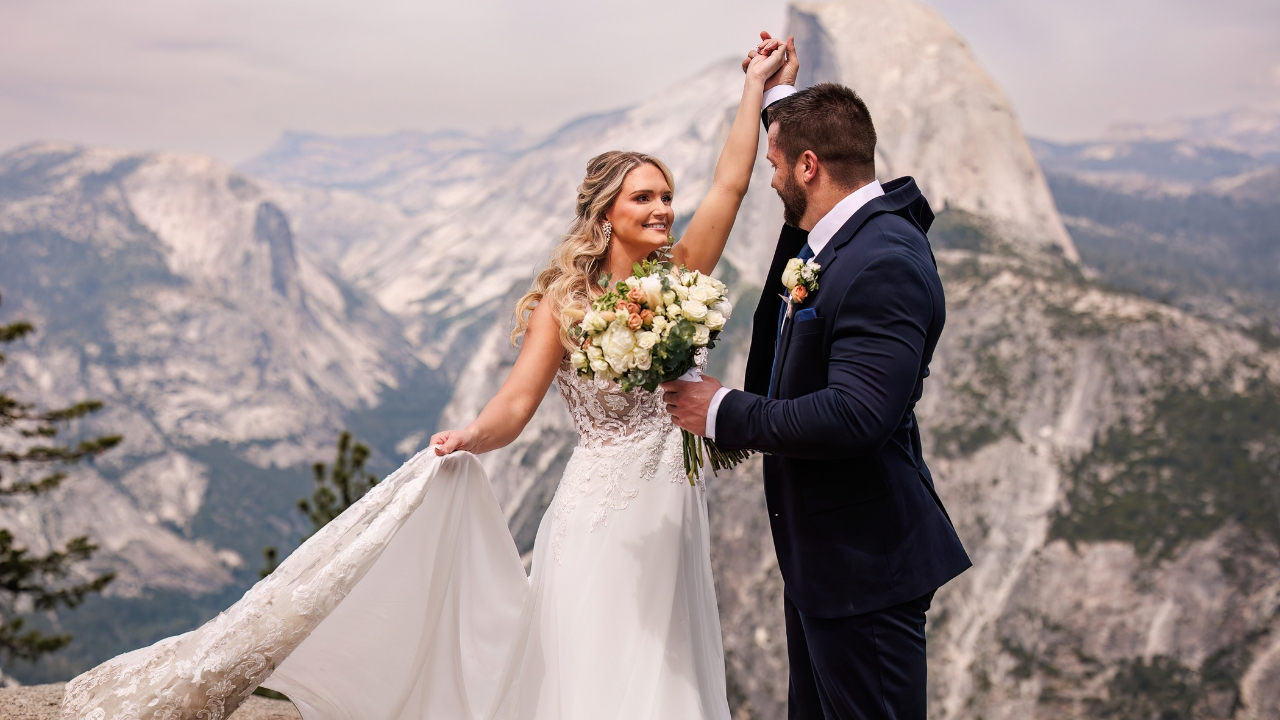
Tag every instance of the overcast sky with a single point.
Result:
(228, 76)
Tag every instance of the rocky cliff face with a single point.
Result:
(169, 287)
(1110, 460)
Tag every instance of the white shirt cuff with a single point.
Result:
(714, 409)
(776, 93)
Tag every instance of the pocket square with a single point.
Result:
(807, 314)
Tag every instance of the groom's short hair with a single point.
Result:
(832, 121)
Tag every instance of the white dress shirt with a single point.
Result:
(819, 236)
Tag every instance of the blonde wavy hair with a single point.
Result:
(572, 275)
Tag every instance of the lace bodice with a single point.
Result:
(604, 415)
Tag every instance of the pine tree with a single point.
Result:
(335, 491)
(29, 452)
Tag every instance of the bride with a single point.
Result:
(414, 603)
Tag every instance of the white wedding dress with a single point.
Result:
(414, 603)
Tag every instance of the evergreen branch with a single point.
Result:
(63, 453)
(43, 485)
(22, 573)
(47, 431)
(78, 410)
(44, 580)
(30, 645)
(15, 331)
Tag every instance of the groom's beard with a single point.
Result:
(794, 201)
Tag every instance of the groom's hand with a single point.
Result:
(790, 70)
(687, 403)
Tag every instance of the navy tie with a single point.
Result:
(806, 254)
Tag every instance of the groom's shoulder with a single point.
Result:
(890, 234)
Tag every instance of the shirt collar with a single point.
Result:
(835, 219)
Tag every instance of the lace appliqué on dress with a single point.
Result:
(616, 431)
(206, 673)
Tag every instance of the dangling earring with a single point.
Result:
(608, 230)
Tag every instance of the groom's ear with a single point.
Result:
(808, 166)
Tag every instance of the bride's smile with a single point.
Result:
(642, 215)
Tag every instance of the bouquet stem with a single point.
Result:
(694, 448)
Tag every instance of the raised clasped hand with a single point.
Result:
(765, 61)
(784, 73)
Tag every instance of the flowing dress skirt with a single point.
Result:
(414, 604)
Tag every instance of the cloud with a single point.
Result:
(227, 76)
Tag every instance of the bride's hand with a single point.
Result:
(767, 61)
(451, 441)
(788, 72)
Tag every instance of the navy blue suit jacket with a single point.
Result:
(856, 522)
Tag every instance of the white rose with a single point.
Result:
(725, 308)
(714, 284)
(618, 342)
(595, 353)
(632, 282)
(694, 310)
(682, 292)
(579, 360)
(643, 360)
(669, 297)
(673, 312)
(702, 294)
(659, 323)
(715, 320)
(690, 279)
(646, 339)
(791, 273)
(599, 367)
(652, 287)
(594, 322)
(701, 335)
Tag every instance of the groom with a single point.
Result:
(834, 373)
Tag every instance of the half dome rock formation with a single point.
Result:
(939, 115)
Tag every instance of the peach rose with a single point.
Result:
(646, 317)
(633, 308)
(635, 295)
(634, 322)
(798, 293)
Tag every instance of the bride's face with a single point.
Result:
(642, 214)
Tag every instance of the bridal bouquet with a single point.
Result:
(645, 331)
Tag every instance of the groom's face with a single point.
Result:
(792, 192)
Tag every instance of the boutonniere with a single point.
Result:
(800, 278)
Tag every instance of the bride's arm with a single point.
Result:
(704, 241)
(510, 410)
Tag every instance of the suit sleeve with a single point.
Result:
(877, 344)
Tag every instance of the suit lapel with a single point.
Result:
(878, 205)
